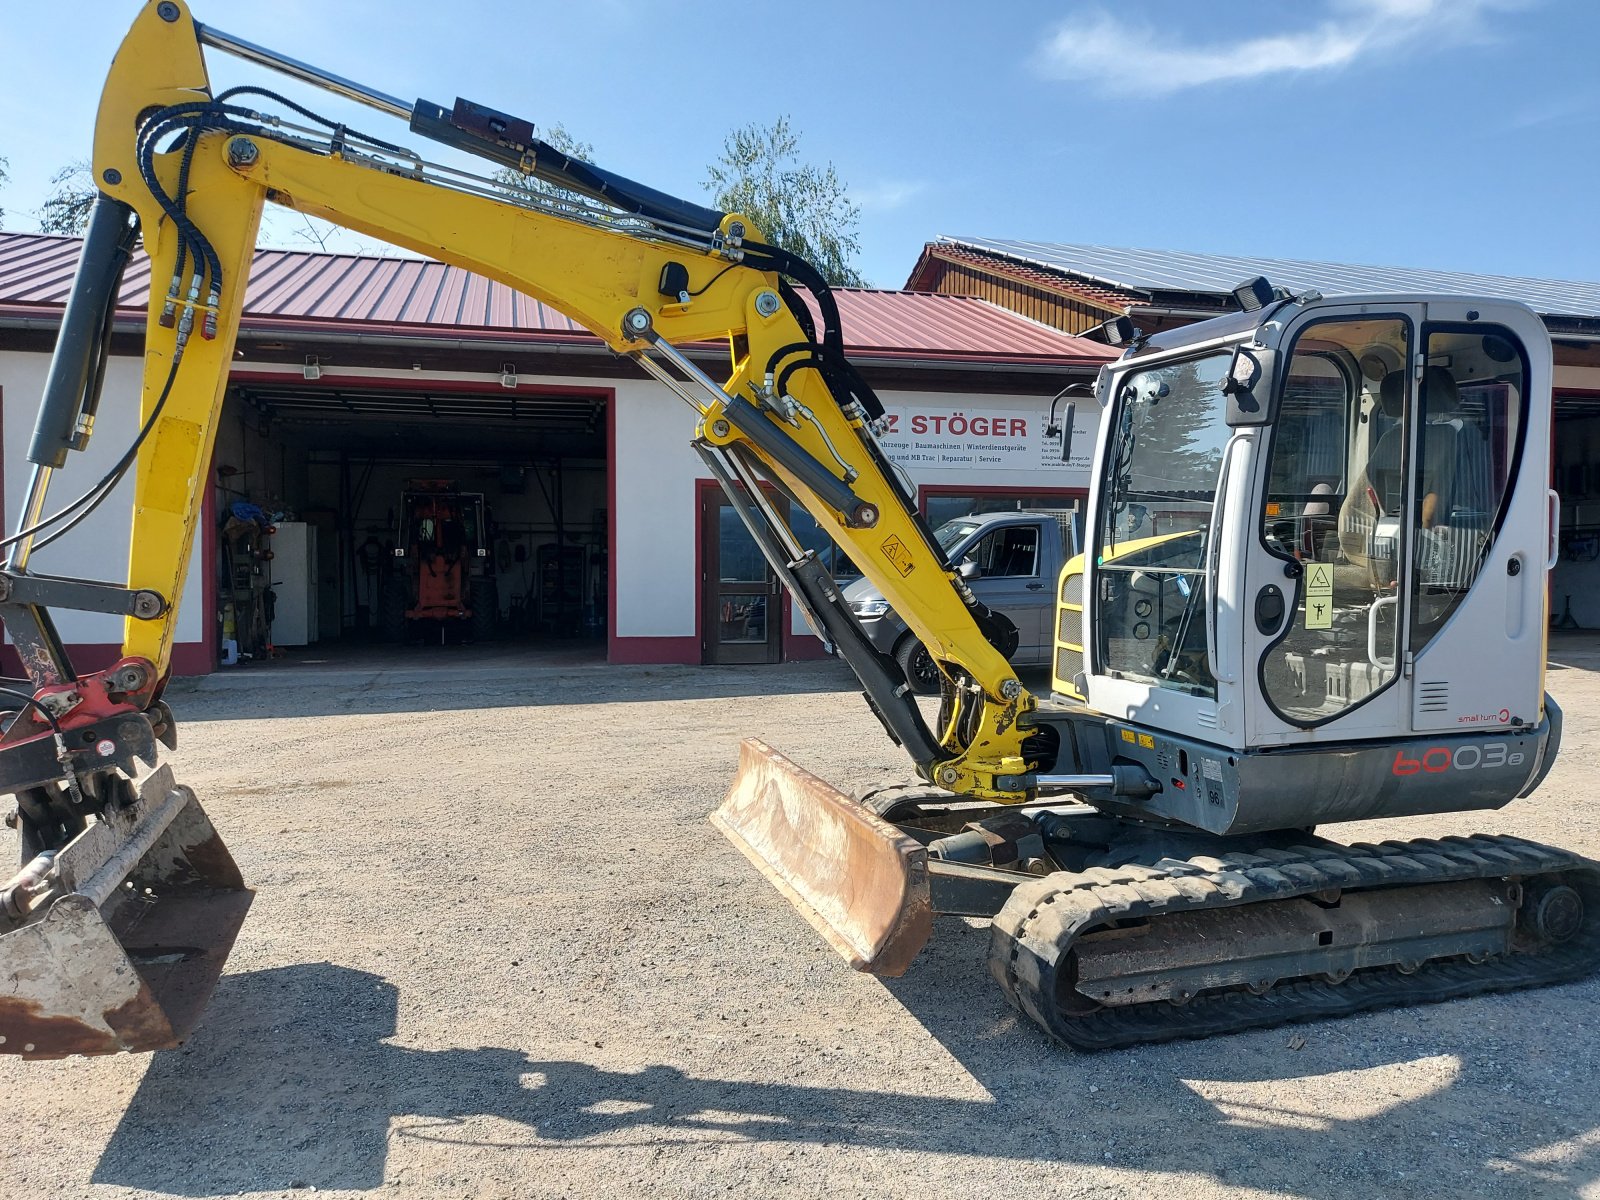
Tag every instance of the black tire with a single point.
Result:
(916, 664)
(392, 601)
(485, 621)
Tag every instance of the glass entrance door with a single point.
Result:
(743, 606)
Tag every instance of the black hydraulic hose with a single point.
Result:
(308, 114)
(798, 308)
(158, 125)
(50, 719)
(798, 269)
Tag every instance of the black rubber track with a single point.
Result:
(1031, 943)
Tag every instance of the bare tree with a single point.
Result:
(511, 180)
(67, 208)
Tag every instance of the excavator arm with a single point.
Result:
(648, 277)
(189, 169)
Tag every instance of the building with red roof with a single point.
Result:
(358, 373)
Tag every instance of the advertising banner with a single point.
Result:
(924, 437)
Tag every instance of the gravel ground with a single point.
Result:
(497, 950)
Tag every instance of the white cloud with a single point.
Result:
(887, 195)
(1133, 58)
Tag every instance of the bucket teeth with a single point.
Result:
(123, 949)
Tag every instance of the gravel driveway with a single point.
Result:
(497, 950)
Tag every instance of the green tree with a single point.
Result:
(511, 180)
(799, 206)
(67, 208)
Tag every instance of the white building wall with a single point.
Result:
(98, 547)
(655, 471)
(652, 568)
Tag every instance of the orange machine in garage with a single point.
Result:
(442, 573)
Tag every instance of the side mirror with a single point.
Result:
(1248, 387)
(1063, 427)
(968, 569)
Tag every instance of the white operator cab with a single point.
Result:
(1326, 520)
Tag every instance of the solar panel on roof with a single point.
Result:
(1148, 271)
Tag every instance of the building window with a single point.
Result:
(810, 535)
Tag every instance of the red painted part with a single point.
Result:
(93, 702)
(188, 658)
(701, 647)
(683, 651)
(613, 654)
(802, 647)
(290, 288)
(439, 590)
(210, 618)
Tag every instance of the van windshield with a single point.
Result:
(952, 532)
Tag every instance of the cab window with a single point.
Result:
(1154, 524)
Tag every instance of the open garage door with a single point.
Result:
(397, 519)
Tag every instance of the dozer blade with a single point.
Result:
(861, 882)
(117, 943)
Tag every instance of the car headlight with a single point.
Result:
(869, 608)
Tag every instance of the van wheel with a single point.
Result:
(916, 664)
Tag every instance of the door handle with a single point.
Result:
(1035, 587)
(1383, 664)
(1552, 502)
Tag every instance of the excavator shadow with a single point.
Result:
(291, 1082)
(1429, 1100)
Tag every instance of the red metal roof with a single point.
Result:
(417, 295)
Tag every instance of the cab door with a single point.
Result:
(1328, 555)
(1395, 580)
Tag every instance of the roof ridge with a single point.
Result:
(992, 246)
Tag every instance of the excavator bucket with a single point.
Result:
(116, 941)
(860, 882)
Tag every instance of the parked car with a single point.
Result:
(1011, 561)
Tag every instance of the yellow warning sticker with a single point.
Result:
(1319, 596)
(897, 554)
(1148, 742)
(1127, 735)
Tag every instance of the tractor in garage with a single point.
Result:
(442, 576)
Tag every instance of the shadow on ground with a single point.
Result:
(274, 1092)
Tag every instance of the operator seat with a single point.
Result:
(1369, 520)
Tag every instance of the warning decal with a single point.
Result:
(897, 554)
(1319, 596)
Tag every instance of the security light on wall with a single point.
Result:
(313, 367)
(508, 375)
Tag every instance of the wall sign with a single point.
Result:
(925, 437)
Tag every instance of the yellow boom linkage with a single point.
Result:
(644, 284)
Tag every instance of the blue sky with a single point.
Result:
(1456, 134)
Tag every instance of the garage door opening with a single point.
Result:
(380, 521)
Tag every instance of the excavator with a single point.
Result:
(1319, 527)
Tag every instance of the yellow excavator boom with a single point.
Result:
(189, 169)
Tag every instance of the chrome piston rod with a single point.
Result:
(305, 72)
